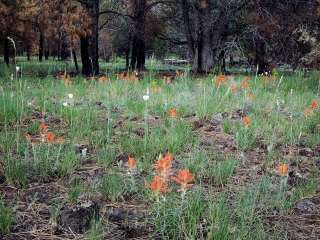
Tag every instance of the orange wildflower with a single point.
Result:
(169, 156)
(132, 163)
(245, 83)
(220, 79)
(246, 121)
(158, 185)
(314, 104)
(173, 112)
(283, 169)
(164, 164)
(103, 79)
(50, 137)
(184, 178)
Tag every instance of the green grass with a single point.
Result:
(113, 121)
(5, 218)
(112, 186)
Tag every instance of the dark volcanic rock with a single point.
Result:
(305, 206)
(130, 220)
(295, 178)
(2, 177)
(78, 218)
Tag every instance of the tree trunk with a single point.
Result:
(6, 51)
(46, 54)
(28, 49)
(95, 38)
(90, 43)
(41, 42)
(85, 59)
(128, 53)
(138, 52)
(65, 49)
(188, 28)
(127, 58)
(260, 53)
(203, 58)
(75, 60)
(198, 30)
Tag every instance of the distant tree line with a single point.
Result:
(265, 33)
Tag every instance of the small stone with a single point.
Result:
(139, 132)
(78, 218)
(295, 178)
(305, 152)
(2, 177)
(305, 206)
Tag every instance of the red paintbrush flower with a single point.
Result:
(132, 163)
(184, 178)
(158, 185)
(50, 137)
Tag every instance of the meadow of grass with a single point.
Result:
(240, 154)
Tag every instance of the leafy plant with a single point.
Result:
(112, 186)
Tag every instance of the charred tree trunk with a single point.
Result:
(75, 60)
(188, 27)
(138, 52)
(260, 52)
(65, 49)
(128, 53)
(46, 54)
(46, 50)
(90, 43)
(199, 35)
(85, 59)
(41, 44)
(95, 37)
(127, 58)
(204, 60)
(28, 50)
(6, 51)
(222, 60)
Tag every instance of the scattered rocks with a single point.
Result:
(122, 157)
(78, 218)
(2, 176)
(139, 132)
(82, 149)
(132, 221)
(198, 124)
(307, 152)
(305, 206)
(295, 178)
(124, 215)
